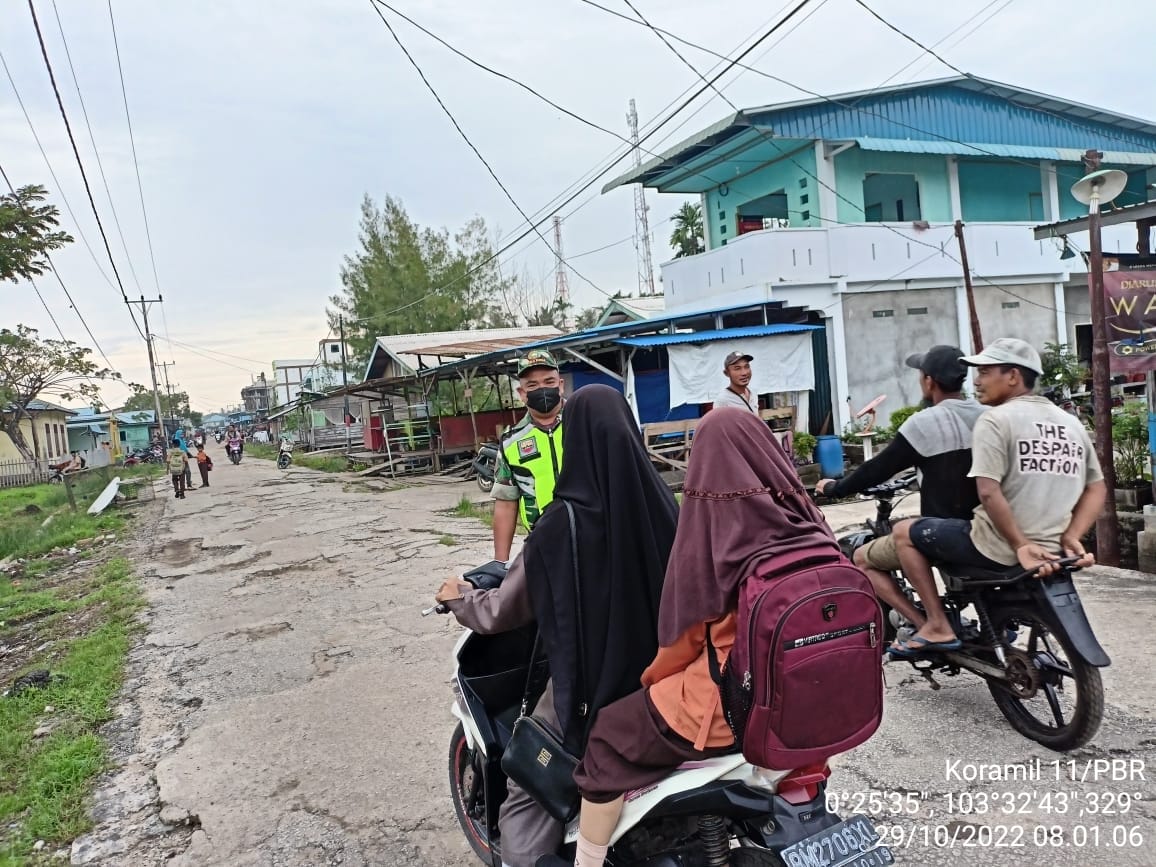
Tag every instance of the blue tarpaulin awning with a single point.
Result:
(708, 336)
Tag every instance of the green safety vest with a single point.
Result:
(535, 459)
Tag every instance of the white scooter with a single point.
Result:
(285, 455)
(714, 812)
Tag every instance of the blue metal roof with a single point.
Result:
(708, 336)
(917, 146)
(948, 111)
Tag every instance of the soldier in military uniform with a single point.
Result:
(530, 452)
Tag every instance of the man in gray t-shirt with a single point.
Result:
(1039, 483)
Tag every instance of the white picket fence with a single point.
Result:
(18, 473)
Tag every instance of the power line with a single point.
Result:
(80, 165)
(95, 149)
(959, 41)
(214, 351)
(135, 161)
(67, 294)
(477, 153)
(554, 205)
(52, 173)
(984, 88)
(850, 106)
(658, 121)
(938, 249)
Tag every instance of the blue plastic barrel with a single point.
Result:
(829, 453)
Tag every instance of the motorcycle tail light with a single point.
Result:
(802, 784)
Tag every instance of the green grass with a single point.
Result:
(447, 540)
(466, 508)
(23, 534)
(326, 463)
(45, 782)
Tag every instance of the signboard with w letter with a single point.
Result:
(1130, 297)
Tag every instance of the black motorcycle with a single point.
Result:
(485, 466)
(1030, 638)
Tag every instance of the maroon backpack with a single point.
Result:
(804, 679)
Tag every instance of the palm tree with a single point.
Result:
(687, 237)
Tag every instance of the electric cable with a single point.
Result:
(453, 120)
(95, 149)
(984, 87)
(213, 351)
(941, 250)
(850, 106)
(67, 294)
(80, 165)
(52, 172)
(573, 196)
(135, 161)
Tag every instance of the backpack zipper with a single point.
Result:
(819, 638)
(775, 636)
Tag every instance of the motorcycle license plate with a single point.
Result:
(848, 844)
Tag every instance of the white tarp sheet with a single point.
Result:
(782, 362)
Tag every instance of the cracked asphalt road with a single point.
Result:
(290, 706)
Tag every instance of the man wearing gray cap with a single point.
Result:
(1039, 483)
(737, 367)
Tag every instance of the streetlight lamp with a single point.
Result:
(1097, 187)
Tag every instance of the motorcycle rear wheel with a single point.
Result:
(464, 773)
(1059, 669)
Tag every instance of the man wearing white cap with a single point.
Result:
(1039, 483)
(737, 367)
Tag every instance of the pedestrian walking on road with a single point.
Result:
(204, 464)
(178, 466)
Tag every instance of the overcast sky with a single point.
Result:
(259, 126)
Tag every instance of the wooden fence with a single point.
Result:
(18, 473)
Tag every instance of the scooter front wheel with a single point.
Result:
(467, 792)
(485, 484)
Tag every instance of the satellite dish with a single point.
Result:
(869, 410)
(1103, 186)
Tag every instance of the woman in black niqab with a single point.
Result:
(625, 519)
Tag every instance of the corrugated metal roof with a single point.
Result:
(471, 347)
(952, 110)
(918, 146)
(708, 336)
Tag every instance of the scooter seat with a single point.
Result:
(975, 573)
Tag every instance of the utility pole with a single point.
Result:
(641, 220)
(1107, 525)
(144, 309)
(561, 284)
(976, 337)
(344, 382)
(168, 389)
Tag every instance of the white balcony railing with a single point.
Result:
(752, 265)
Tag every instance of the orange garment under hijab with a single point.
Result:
(682, 689)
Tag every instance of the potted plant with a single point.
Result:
(1130, 447)
(804, 447)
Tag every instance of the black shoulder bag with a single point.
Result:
(536, 758)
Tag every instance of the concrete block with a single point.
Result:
(1146, 551)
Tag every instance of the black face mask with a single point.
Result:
(543, 400)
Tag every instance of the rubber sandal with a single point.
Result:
(916, 646)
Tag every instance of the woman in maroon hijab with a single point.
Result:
(743, 505)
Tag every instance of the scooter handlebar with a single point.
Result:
(1063, 563)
